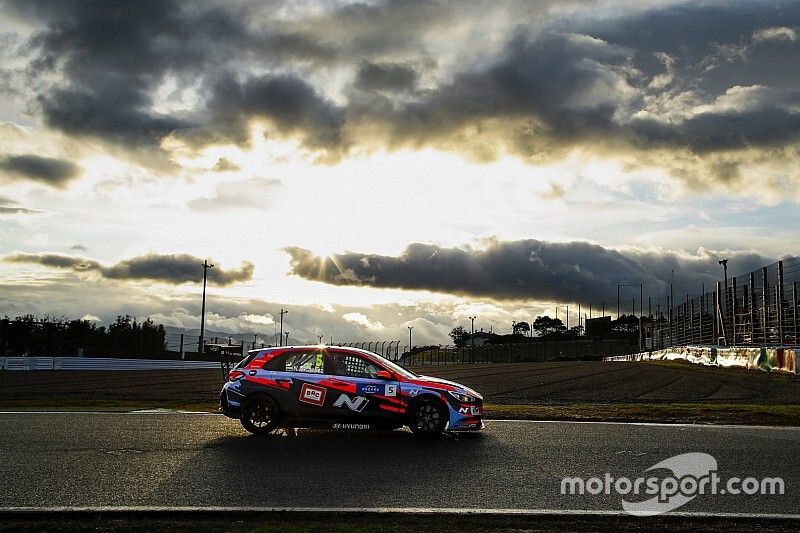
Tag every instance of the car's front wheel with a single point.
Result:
(260, 415)
(428, 417)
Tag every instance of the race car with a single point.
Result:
(343, 388)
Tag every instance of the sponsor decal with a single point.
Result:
(370, 388)
(377, 388)
(350, 426)
(313, 394)
(464, 410)
(469, 410)
(356, 404)
(413, 392)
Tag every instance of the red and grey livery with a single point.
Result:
(343, 388)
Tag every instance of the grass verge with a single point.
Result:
(696, 413)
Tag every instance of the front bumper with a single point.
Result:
(465, 417)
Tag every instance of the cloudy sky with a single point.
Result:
(372, 166)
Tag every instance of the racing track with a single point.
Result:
(170, 459)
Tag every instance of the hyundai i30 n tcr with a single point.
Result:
(343, 388)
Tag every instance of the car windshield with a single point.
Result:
(394, 367)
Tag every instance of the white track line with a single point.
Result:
(488, 421)
(383, 510)
(657, 424)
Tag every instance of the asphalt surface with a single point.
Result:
(120, 459)
(550, 382)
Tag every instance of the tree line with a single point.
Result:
(548, 328)
(59, 336)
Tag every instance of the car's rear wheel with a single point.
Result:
(428, 417)
(260, 415)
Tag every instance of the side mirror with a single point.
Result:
(383, 374)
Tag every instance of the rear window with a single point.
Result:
(246, 361)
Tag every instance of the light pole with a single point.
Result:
(280, 339)
(201, 344)
(287, 338)
(320, 338)
(724, 264)
(472, 330)
(409, 338)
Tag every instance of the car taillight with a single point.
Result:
(235, 374)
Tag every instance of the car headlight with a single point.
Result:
(463, 398)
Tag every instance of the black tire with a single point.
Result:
(427, 417)
(260, 415)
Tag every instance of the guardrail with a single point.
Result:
(763, 358)
(99, 363)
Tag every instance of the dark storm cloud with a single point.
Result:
(521, 270)
(169, 268)
(556, 84)
(48, 170)
(115, 54)
(563, 85)
(78, 264)
(385, 77)
(291, 104)
(12, 210)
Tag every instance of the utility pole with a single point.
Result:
(280, 339)
(201, 343)
(641, 312)
(409, 337)
(472, 330)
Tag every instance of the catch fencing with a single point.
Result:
(759, 308)
(565, 350)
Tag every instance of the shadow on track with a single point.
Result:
(312, 468)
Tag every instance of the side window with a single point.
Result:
(309, 362)
(277, 363)
(354, 366)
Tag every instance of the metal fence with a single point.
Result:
(755, 309)
(553, 350)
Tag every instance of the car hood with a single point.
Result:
(460, 388)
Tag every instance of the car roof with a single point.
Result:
(314, 347)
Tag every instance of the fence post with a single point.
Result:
(733, 311)
(779, 294)
(752, 310)
(794, 310)
(765, 283)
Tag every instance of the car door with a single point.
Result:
(360, 394)
(305, 376)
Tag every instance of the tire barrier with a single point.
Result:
(100, 363)
(764, 359)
